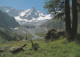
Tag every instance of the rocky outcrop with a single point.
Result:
(2, 50)
(17, 49)
(54, 34)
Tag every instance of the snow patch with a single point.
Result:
(16, 28)
(24, 12)
(7, 10)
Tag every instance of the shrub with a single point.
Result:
(54, 34)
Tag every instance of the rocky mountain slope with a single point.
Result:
(7, 21)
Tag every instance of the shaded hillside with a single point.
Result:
(9, 35)
(6, 21)
(54, 24)
(10, 11)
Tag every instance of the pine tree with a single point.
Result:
(68, 20)
(75, 18)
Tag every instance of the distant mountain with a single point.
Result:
(7, 21)
(32, 17)
(30, 14)
(10, 11)
(23, 17)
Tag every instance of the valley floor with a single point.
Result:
(59, 48)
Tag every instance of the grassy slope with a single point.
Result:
(40, 34)
(59, 48)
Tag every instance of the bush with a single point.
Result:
(54, 34)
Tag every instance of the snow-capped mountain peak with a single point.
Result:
(30, 14)
(24, 12)
(26, 16)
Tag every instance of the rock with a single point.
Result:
(17, 49)
(2, 50)
(54, 34)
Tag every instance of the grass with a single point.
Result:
(2, 40)
(29, 36)
(40, 34)
(59, 48)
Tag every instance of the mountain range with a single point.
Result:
(29, 16)
(30, 21)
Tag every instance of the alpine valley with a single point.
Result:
(28, 22)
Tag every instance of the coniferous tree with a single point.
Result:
(68, 20)
(75, 18)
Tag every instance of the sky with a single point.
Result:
(24, 4)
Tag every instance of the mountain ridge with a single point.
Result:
(26, 16)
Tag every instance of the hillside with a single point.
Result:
(10, 11)
(8, 35)
(6, 21)
(59, 48)
(54, 24)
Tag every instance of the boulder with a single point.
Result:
(54, 34)
(17, 49)
(2, 50)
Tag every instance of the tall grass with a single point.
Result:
(58, 48)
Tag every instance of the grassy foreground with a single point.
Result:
(59, 48)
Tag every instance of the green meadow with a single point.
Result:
(58, 48)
